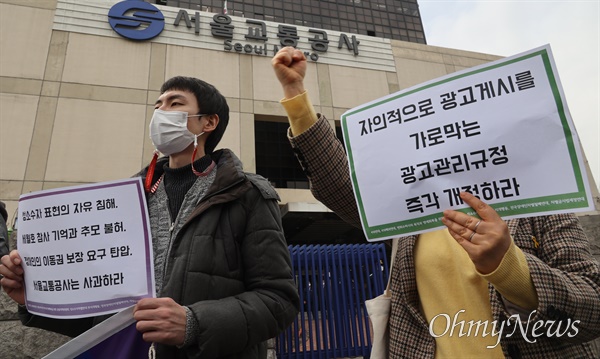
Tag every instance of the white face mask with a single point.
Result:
(169, 132)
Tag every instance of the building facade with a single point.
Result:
(76, 98)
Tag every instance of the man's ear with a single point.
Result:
(211, 123)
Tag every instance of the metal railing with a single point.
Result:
(334, 281)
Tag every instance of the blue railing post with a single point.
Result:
(333, 281)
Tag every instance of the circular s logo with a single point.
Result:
(136, 20)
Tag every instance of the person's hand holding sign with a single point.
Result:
(160, 320)
(486, 240)
(12, 273)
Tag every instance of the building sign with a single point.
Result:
(144, 22)
(288, 36)
(139, 21)
(501, 131)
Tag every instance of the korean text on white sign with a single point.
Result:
(501, 131)
(86, 250)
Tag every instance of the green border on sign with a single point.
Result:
(531, 205)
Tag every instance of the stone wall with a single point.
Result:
(19, 342)
(591, 224)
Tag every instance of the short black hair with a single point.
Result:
(210, 101)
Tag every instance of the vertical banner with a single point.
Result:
(86, 250)
(501, 131)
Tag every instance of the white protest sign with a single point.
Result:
(86, 250)
(501, 131)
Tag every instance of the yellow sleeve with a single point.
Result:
(301, 113)
(513, 279)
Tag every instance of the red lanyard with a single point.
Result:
(150, 173)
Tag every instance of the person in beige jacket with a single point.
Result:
(532, 281)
